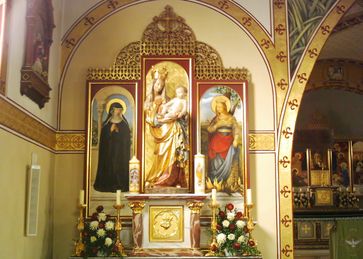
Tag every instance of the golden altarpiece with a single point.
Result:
(167, 125)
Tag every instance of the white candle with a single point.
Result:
(214, 196)
(249, 197)
(81, 197)
(118, 197)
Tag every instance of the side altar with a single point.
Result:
(167, 127)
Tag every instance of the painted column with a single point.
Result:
(195, 207)
(137, 227)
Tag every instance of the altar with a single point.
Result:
(164, 221)
(167, 128)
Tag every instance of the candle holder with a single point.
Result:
(250, 224)
(79, 245)
(213, 245)
(118, 228)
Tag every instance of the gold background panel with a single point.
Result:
(166, 224)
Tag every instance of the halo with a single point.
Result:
(222, 99)
(116, 100)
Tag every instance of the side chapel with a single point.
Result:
(143, 129)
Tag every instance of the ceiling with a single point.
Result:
(346, 42)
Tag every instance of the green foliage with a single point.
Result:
(304, 16)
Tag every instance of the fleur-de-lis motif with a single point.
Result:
(340, 9)
(285, 191)
(284, 161)
(89, 20)
(313, 52)
(293, 104)
(281, 56)
(265, 43)
(223, 4)
(246, 21)
(302, 78)
(282, 84)
(252, 142)
(70, 43)
(287, 250)
(112, 4)
(286, 221)
(287, 132)
(280, 29)
(325, 29)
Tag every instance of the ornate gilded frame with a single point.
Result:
(239, 88)
(106, 91)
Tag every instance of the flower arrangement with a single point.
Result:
(301, 199)
(99, 235)
(347, 199)
(233, 236)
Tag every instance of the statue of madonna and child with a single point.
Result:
(167, 121)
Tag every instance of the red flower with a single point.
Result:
(94, 216)
(99, 209)
(239, 215)
(232, 227)
(101, 225)
(222, 215)
(115, 248)
(245, 229)
(251, 243)
(229, 206)
(219, 227)
(236, 245)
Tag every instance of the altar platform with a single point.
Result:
(179, 257)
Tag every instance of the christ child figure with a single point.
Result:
(176, 108)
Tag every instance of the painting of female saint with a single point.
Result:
(357, 162)
(221, 118)
(341, 164)
(111, 139)
(166, 136)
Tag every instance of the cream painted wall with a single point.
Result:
(75, 9)
(260, 10)
(16, 54)
(100, 48)
(13, 182)
(68, 178)
(263, 184)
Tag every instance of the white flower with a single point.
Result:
(225, 223)
(108, 241)
(230, 216)
(240, 224)
(93, 239)
(231, 236)
(221, 238)
(101, 216)
(93, 225)
(241, 239)
(101, 232)
(109, 225)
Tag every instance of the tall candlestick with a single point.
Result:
(214, 196)
(81, 197)
(118, 197)
(249, 197)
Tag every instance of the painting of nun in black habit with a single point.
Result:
(114, 150)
